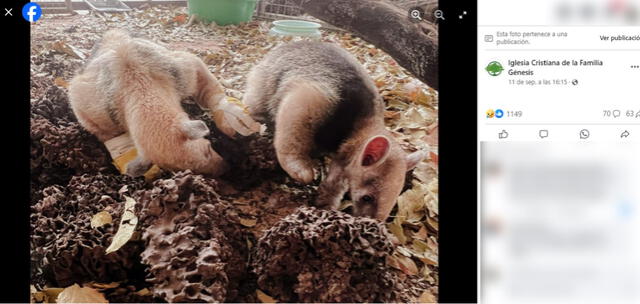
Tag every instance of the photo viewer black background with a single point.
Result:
(457, 153)
(14, 214)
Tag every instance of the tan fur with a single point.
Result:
(134, 85)
(300, 89)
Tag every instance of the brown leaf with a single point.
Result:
(433, 157)
(59, 81)
(47, 295)
(391, 114)
(429, 259)
(432, 223)
(248, 222)
(77, 294)
(432, 135)
(421, 234)
(100, 219)
(104, 285)
(427, 297)
(264, 298)
(405, 264)
(61, 47)
(180, 19)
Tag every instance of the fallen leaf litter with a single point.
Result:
(74, 184)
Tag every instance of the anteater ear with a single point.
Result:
(375, 150)
(414, 158)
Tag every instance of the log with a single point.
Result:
(413, 45)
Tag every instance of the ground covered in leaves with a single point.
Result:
(199, 239)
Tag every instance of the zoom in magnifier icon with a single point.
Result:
(416, 14)
(439, 14)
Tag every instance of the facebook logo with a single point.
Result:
(31, 12)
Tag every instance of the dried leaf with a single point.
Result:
(427, 297)
(77, 294)
(59, 81)
(406, 264)
(180, 19)
(128, 224)
(391, 114)
(35, 295)
(264, 298)
(404, 251)
(143, 292)
(429, 259)
(420, 246)
(61, 47)
(421, 234)
(100, 219)
(397, 230)
(248, 222)
(432, 223)
(432, 135)
(47, 295)
(51, 294)
(104, 285)
(433, 157)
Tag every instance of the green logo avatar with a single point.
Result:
(494, 68)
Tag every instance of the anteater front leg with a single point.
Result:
(296, 121)
(209, 92)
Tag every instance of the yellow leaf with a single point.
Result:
(264, 298)
(100, 219)
(143, 292)
(77, 294)
(128, 224)
(420, 246)
(51, 294)
(36, 296)
(121, 161)
(398, 231)
(152, 173)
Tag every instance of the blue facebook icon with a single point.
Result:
(31, 12)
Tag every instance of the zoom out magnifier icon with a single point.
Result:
(439, 14)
